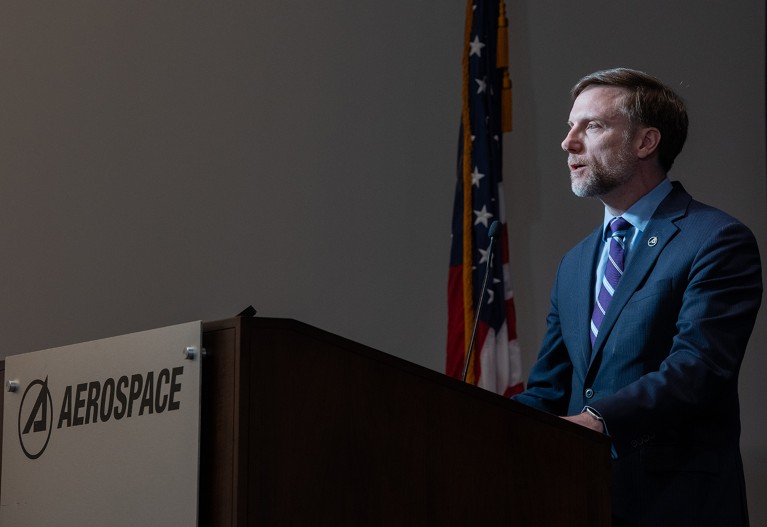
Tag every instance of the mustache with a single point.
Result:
(574, 160)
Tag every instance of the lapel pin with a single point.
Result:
(652, 242)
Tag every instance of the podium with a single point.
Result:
(303, 427)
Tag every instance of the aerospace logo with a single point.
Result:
(35, 419)
(98, 401)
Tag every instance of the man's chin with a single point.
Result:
(583, 193)
(581, 187)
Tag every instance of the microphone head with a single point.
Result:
(494, 228)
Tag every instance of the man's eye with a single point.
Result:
(592, 125)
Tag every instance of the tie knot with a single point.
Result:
(618, 227)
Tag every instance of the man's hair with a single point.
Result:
(648, 103)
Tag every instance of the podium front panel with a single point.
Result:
(104, 432)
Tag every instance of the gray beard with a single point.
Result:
(602, 179)
(598, 184)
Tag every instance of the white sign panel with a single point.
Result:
(104, 433)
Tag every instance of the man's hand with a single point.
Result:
(588, 421)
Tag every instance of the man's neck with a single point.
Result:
(621, 199)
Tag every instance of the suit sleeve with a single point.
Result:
(548, 386)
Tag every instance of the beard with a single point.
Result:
(600, 178)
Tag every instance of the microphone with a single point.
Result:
(493, 230)
(493, 233)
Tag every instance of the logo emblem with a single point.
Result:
(35, 419)
(652, 242)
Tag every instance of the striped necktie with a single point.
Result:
(613, 272)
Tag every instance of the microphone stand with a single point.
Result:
(492, 232)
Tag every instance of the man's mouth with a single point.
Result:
(575, 165)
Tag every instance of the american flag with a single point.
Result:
(496, 361)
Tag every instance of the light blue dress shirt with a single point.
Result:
(638, 216)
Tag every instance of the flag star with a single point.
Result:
(483, 216)
(476, 176)
(490, 296)
(482, 85)
(476, 47)
(485, 254)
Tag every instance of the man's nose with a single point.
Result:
(572, 143)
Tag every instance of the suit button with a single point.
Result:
(589, 393)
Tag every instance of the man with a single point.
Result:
(650, 315)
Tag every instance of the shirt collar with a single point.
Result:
(639, 214)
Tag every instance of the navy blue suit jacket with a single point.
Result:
(663, 372)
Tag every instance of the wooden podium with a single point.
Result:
(302, 427)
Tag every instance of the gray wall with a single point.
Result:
(166, 161)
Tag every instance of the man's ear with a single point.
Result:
(650, 139)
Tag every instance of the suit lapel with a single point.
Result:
(645, 252)
(583, 287)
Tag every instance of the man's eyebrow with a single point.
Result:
(585, 118)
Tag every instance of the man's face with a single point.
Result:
(599, 144)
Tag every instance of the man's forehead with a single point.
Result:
(598, 101)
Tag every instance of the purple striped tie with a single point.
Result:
(613, 272)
